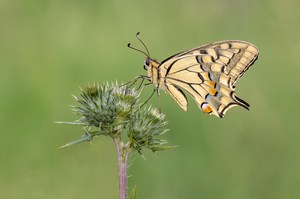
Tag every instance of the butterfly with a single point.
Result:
(208, 73)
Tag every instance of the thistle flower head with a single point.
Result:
(114, 111)
(144, 128)
(105, 106)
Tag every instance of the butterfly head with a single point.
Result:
(150, 63)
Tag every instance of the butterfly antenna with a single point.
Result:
(129, 46)
(137, 36)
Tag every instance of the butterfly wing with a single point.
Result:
(209, 74)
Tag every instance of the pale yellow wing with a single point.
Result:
(209, 74)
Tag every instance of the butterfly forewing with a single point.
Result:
(208, 73)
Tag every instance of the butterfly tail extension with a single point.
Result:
(241, 102)
(237, 102)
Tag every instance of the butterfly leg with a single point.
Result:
(149, 98)
(158, 100)
(141, 84)
(134, 80)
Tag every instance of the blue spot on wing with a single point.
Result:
(211, 77)
(208, 97)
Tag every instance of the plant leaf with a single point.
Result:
(86, 137)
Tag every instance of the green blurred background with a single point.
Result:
(48, 48)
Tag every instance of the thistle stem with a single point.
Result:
(122, 164)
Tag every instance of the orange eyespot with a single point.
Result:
(206, 108)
